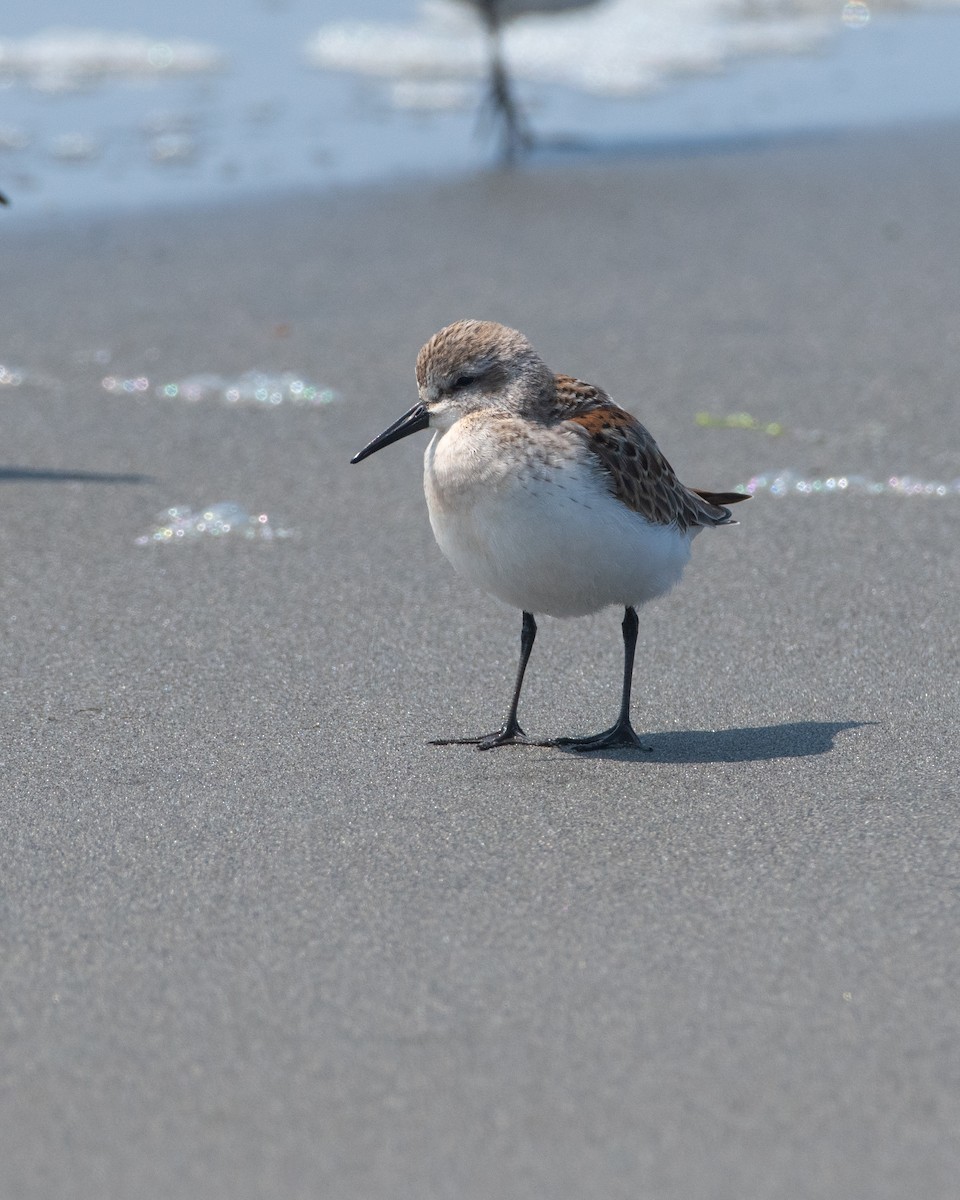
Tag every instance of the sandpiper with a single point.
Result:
(544, 492)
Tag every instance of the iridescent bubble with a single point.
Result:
(258, 388)
(226, 518)
(786, 482)
(855, 14)
(160, 56)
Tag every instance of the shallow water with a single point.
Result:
(135, 106)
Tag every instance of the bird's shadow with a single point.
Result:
(48, 475)
(797, 739)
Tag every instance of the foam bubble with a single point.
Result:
(787, 482)
(11, 376)
(855, 15)
(620, 47)
(224, 519)
(14, 377)
(258, 388)
(13, 138)
(255, 388)
(111, 383)
(173, 148)
(75, 147)
(61, 60)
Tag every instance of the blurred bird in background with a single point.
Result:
(515, 135)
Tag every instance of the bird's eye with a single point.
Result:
(462, 381)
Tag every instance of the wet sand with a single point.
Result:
(259, 939)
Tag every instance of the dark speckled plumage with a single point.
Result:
(640, 477)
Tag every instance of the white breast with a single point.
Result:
(534, 523)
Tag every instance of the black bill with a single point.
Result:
(411, 422)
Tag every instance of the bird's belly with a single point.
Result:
(556, 542)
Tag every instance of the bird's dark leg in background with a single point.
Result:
(516, 138)
(621, 735)
(511, 731)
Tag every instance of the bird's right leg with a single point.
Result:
(622, 735)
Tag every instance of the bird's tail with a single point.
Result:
(721, 498)
(714, 505)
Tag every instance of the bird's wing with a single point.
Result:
(637, 472)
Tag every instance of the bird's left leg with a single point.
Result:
(516, 138)
(621, 735)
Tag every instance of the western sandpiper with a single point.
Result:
(544, 492)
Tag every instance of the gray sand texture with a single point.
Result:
(259, 938)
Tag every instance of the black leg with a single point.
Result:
(630, 626)
(621, 735)
(515, 137)
(511, 731)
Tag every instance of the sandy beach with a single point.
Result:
(259, 939)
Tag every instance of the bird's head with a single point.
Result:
(470, 366)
